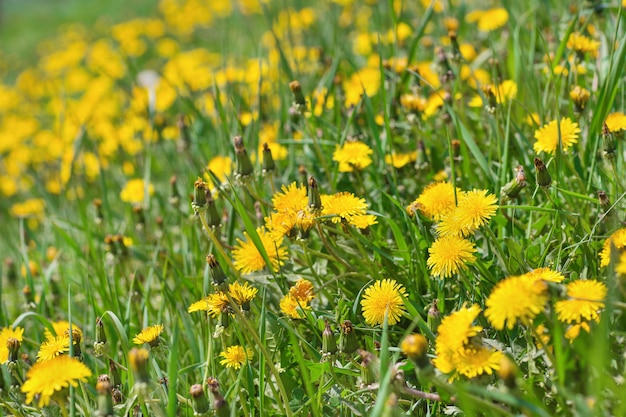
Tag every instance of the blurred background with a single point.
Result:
(24, 23)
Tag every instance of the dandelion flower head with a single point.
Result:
(353, 155)
(516, 298)
(149, 335)
(448, 254)
(436, 200)
(475, 209)
(547, 136)
(617, 239)
(247, 257)
(343, 206)
(236, 356)
(135, 191)
(488, 20)
(382, 298)
(46, 378)
(585, 300)
(616, 122)
(6, 334)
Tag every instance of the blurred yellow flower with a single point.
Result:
(135, 191)
(488, 20)
(547, 136)
(353, 155)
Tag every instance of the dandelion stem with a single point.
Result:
(330, 249)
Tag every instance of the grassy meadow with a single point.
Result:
(312, 208)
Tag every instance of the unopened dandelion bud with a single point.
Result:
(268, 160)
(415, 347)
(174, 194)
(244, 165)
(512, 189)
(184, 138)
(140, 215)
(315, 201)
(456, 149)
(101, 338)
(434, 317)
(13, 346)
(348, 342)
(76, 339)
(220, 405)
(446, 71)
(542, 175)
(421, 160)
(580, 97)
(199, 194)
(105, 400)
(604, 201)
(28, 295)
(329, 344)
(216, 271)
(369, 367)
(138, 360)
(114, 374)
(454, 41)
(304, 223)
(303, 175)
(97, 203)
(299, 100)
(507, 372)
(213, 218)
(199, 400)
(116, 395)
(492, 103)
(11, 270)
(608, 142)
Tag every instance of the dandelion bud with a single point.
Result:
(11, 270)
(138, 360)
(512, 189)
(97, 203)
(507, 372)
(456, 149)
(105, 400)
(446, 71)
(299, 101)
(315, 201)
(415, 347)
(101, 338)
(13, 346)
(304, 222)
(76, 339)
(434, 316)
(369, 367)
(421, 161)
(114, 374)
(183, 134)
(244, 165)
(541, 173)
(117, 396)
(608, 142)
(348, 342)
(579, 96)
(28, 295)
(329, 345)
(199, 195)
(199, 400)
(213, 218)
(141, 217)
(216, 271)
(456, 50)
(268, 160)
(303, 175)
(174, 194)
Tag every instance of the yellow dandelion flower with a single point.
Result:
(200, 305)
(6, 334)
(448, 254)
(617, 239)
(242, 293)
(302, 290)
(585, 300)
(457, 328)
(289, 306)
(149, 335)
(61, 328)
(398, 160)
(135, 191)
(292, 198)
(363, 221)
(236, 356)
(353, 155)
(475, 361)
(33, 207)
(475, 209)
(582, 44)
(53, 347)
(437, 199)
(383, 298)
(282, 223)
(530, 298)
(488, 20)
(342, 206)
(247, 257)
(573, 331)
(548, 136)
(221, 166)
(620, 268)
(44, 379)
(545, 274)
(214, 304)
(616, 122)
